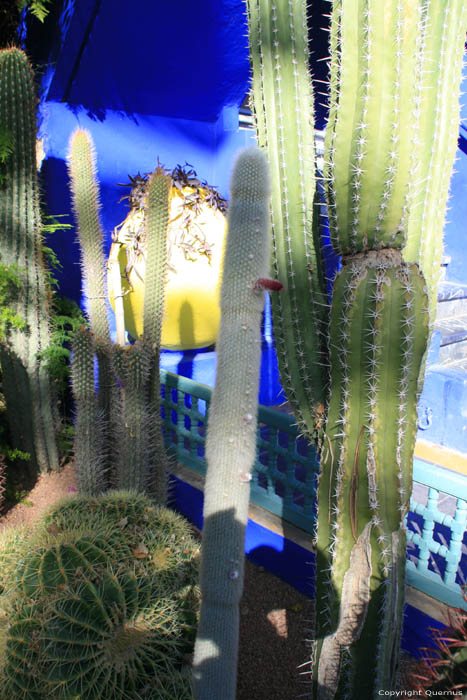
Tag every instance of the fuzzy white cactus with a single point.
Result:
(231, 438)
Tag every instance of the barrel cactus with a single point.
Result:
(96, 638)
(102, 602)
(395, 70)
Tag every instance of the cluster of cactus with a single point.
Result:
(444, 666)
(118, 428)
(395, 70)
(231, 437)
(31, 405)
(101, 610)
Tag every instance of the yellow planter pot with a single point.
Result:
(195, 252)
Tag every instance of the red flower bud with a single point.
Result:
(271, 285)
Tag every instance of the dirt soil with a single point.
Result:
(273, 615)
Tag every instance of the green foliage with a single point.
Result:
(104, 609)
(6, 144)
(38, 8)
(66, 319)
(6, 149)
(10, 287)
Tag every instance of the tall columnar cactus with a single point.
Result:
(231, 440)
(83, 177)
(156, 227)
(379, 329)
(156, 223)
(91, 458)
(438, 87)
(28, 391)
(395, 72)
(281, 96)
(136, 428)
(127, 428)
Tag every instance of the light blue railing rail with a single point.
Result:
(285, 476)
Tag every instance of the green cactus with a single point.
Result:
(132, 364)
(85, 190)
(102, 638)
(102, 602)
(29, 396)
(157, 538)
(156, 227)
(83, 177)
(379, 330)
(52, 561)
(129, 384)
(373, 93)
(281, 95)
(389, 149)
(438, 90)
(91, 462)
(231, 438)
(156, 222)
(11, 544)
(115, 506)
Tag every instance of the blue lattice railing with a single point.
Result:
(284, 483)
(436, 532)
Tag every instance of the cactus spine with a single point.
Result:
(27, 386)
(121, 435)
(391, 119)
(231, 439)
